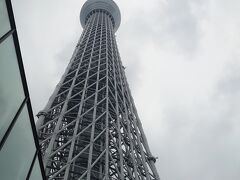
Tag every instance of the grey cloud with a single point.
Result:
(230, 83)
(183, 26)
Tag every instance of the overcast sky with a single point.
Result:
(182, 61)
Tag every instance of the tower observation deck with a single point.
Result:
(90, 128)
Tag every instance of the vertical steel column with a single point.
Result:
(107, 110)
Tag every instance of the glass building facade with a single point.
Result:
(19, 150)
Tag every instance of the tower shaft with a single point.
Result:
(90, 128)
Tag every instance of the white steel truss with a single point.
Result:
(90, 128)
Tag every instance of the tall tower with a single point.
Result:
(90, 129)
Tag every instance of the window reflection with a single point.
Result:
(5, 25)
(11, 90)
(36, 172)
(18, 151)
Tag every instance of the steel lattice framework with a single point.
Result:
(90, 129)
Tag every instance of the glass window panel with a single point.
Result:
(18, 151)
(11, 90)
(36, 171)
(5, 25)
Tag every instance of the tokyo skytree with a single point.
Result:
(90, 128)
